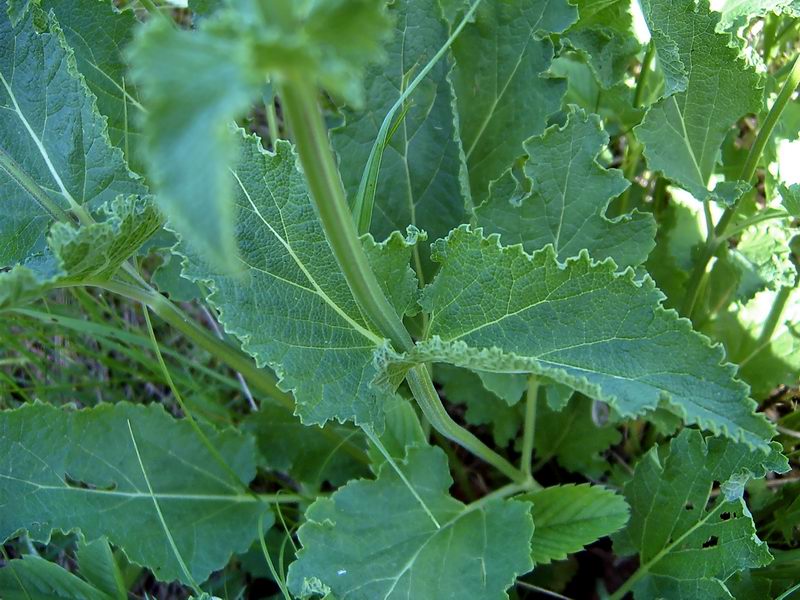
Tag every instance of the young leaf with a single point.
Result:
(689, 541)
(503, 91)
(738, 12)
(420, 178)
(88, 254)
(709, 87)
(89, 470)
(98, 33)
(36, 578)
(97, 565)
(571, 192)
(54, 156)
(569, 517)
(289, 302)
(581, 324)
(374, 539)
(188, 143)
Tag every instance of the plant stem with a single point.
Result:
(299, 99)
(272, 121)
(530, 425)
(748, 172)
(300, 103)
(425, 394)
(774, 316)
(634, 151)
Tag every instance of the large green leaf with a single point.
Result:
(689, 540)
(133, 474)
(98, 33)
(53, 154)
(374, 539)
(88, 254)
(289, 302)
(709, 87)
(503, 91)
(581, 324)
(571, 192)
(420, 178)
(35, 578)
(569, 517)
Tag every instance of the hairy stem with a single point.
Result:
(748, 172)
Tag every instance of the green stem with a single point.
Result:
(774, 316)
(530, 425)
(272, 121)
(425, 394)
(10, 166)
(634, 152)
(365, 198)
(300, 103)
(714, 241)
(299, 100)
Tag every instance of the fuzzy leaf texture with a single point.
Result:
(504, 93)
(583, 325)
(289, 303)
(373, 539)
(420, 177)
(85, 470)
(689, 541)
(571, 192)
(87, 254)
(569, 517)
(708, 88)
(53, 155)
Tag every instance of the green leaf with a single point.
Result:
(504, 94)
(97, 565)
(85, 470)
(307, 454)
(420, 178)
(569, 517)
(289, 303)
(34, 578)
(709, 87)
(572, 437)
(54, 156)
(98, 33)
(688, 540)
(571, 192)
(583, 325)
(373, 539)
(189, 148)
(88, 254)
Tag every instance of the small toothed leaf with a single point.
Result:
(569, 517)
